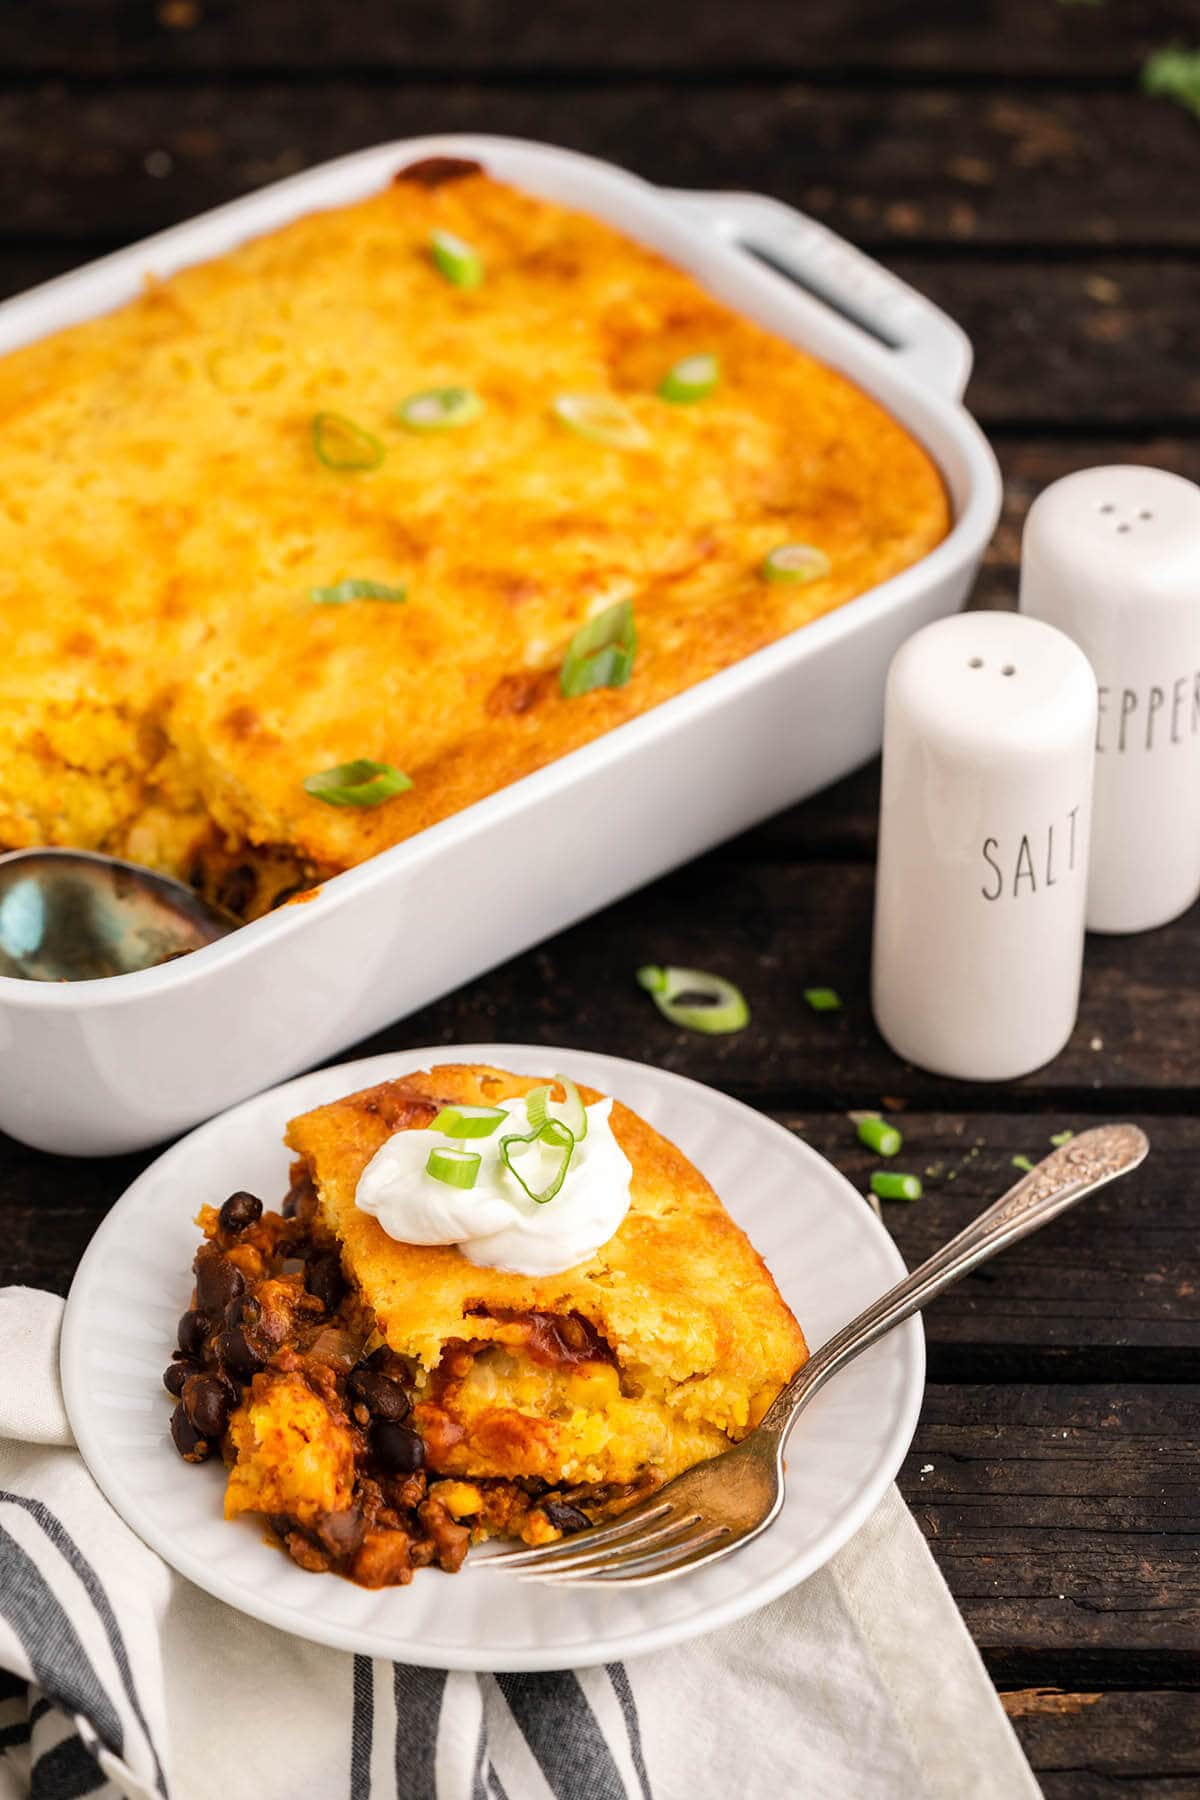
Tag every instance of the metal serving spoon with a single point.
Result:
(715, 1508)
(74, 915)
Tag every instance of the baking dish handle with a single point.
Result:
(924, 341)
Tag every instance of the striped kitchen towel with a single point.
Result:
(117, 1677)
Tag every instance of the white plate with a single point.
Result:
(826, 1250)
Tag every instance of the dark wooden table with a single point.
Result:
(1002, 158)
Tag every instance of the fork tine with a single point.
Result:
(587, 1556)
(645, 1513)
(699, 1545)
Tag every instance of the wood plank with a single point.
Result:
(1065, 1522)
(998, 167)
(1101, 344)
(1095, 1746)
(1110, 1291)
(942, 38)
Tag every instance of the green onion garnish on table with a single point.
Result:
(469, 1121)
(439, 409)
(457, 1168)
(358, 783)
(823, 999)
(694, 999)
(455, 259)
(694, 378)
(341, 444)
(1060, 1138)
(878, 1135)
(602, 420)
(896, 1187)
(1023, 1163)
(555, 1136)
(343, 592)
(601, 653)
(795, 562)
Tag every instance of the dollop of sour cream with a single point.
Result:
(495, 1224)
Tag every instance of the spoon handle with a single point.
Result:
(1085, 1163)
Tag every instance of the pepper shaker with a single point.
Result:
(1112, 557)
(983, 842)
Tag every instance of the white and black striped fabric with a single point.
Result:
(118, 1678)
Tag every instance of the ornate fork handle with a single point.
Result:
(1087, 1162)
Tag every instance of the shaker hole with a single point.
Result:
(1123, 528)
(1108, 507)
(1145, 515)
(1008, 669)
(976, 662)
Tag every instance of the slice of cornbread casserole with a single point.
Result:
(386, 1402)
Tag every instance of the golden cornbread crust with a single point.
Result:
(168, 682)
(695, 1338)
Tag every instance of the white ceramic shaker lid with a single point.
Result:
(1112, 557)
(983, 842)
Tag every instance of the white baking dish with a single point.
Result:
(105, 1066)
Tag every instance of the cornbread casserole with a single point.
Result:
(169, 681)
(384, 1404)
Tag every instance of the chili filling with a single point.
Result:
(279, 1370)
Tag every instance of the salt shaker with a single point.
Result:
(1112, 557)
(983, 844)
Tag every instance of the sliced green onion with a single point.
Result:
(341, 444)
(457, 1168)
(469, 1121)
(795, 562)
(454, 258)
(602, 420)
(555, 1136)
(342, 592)
(601, 653)
(536, 1106)
(879, 1136)
(694, 999)
(359, 783)
(1022, 1162)
(439, 409)
(897, 1187)
(823, 999)
(1060, 1138)
(574, 1114)
(692, 379)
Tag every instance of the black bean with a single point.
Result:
(564, 1517)
(177, 1372)
(240, 1211)
(191, 1445)
(218, 1281)
(380, 1394)
(397, 1448)
(237, 1354)
(386, 1362)
(192, 1331)
(342, 1532)
(237, 888)
(324, 1280)
(206, 1402)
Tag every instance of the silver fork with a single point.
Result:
(724, 1503)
